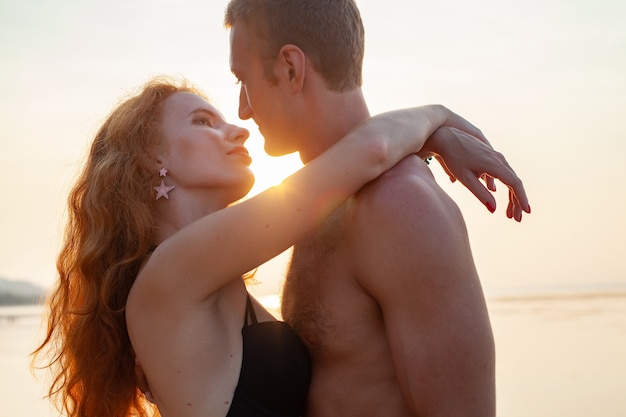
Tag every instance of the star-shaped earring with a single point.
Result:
(163, 190)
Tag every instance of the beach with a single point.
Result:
(21, 395)
(557, 355)
(561, 355)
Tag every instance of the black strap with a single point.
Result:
(249, 312)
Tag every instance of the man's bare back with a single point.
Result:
(350, 324)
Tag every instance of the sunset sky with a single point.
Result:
(544, 80)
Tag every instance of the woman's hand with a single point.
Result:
(466, 155)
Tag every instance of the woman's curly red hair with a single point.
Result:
(111, 227)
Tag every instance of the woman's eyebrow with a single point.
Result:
(203, 110)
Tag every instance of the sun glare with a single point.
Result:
(268, 170)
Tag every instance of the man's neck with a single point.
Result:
(335, 115)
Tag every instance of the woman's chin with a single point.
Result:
(244, 188)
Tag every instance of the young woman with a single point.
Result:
(154, 254)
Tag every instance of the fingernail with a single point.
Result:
(490, 206)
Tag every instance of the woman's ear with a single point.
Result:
(153, 160)
(291, 66)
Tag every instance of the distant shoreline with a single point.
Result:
(11, 313)
(30, 307)
(17, 301)
(556, 293)
(20, 292)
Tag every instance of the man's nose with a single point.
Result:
(245, 111)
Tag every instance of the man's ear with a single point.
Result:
(291, 66)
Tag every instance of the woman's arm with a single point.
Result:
(222, 246)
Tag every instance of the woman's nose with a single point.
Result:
(238, 134)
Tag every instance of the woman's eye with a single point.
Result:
(204, 121)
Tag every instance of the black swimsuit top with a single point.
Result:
(275, 370)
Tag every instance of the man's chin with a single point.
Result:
(277, 150)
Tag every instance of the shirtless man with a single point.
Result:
(385, 295)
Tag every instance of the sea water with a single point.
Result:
(558, 354)
(21, 395)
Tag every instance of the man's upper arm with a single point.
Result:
(412, 255)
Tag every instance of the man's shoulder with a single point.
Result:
(410, 178)
(408, 190)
